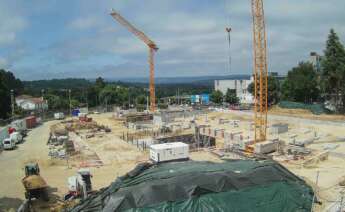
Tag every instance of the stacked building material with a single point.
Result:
(139, 117)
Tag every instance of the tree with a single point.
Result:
(141, 100)
(5, 106)
(100, 83)
(333, 71)
(56, 102)
(231, 97)
(216, 97)
(273, 90)
(301, 84)
(8, 82)
(114, 94)
(11, 82)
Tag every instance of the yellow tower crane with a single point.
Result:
(260, 70)
(152, 49)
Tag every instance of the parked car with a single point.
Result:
(9, 144)
(16, 137)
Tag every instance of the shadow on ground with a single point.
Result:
(40, 205)
(10, 204)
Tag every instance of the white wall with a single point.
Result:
(29, 105)
(241, 87)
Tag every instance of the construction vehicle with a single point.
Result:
(34, 184)
(79, 186)
(152, 49)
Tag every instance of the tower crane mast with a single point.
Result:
(260, 70)
(152, 49)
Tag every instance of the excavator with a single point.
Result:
(34, 184)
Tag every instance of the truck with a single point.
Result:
(19, 126)
(169, 152)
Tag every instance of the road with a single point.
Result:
(12, 163)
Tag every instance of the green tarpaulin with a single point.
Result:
(243, 185)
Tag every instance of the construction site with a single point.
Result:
(197, 156)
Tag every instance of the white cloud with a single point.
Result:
(83, 23)
(11, 23)
(3, 62)
(190, 34)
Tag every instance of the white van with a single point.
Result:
(16, 137)
(59, 116)
(9, 144)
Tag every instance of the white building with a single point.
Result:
(31, 103)
(315, 59)
(241, 87)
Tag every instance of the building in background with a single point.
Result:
(200, 99)
(30, 103)
(315, 59)
(240, 85)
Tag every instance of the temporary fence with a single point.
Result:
(314, 108)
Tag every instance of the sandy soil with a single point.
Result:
(120, 157)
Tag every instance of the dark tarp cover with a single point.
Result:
(243, 185)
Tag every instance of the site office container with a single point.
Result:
(169, 152)
(31, 122)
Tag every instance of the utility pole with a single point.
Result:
(70, 105)
(178, 96)
(147, 103)
(12, 103)
(42, 93)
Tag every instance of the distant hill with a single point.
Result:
(57, 84)
(182, 80)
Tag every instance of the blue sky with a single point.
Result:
(42, 39)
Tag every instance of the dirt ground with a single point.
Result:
(329, 131)
(118, 156)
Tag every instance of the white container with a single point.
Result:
(59, 116)
(16, 137)
(84, 110)
(19, 125)
(169, 152)
(266, 147)
(279, 128)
